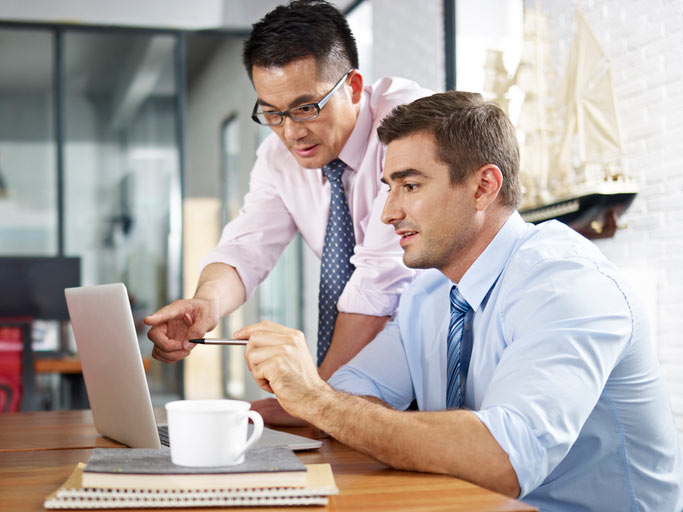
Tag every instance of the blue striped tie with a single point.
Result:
(455, 387)
(335, 267)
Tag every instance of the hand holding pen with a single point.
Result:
(218, 341)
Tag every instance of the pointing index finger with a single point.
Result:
(165, 314)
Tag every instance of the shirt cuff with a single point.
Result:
(350, 381)
(527, 456)
(218, 256)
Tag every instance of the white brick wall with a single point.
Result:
(644, 40)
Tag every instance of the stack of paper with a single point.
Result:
(141, 478)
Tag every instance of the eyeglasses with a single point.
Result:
(300, 113)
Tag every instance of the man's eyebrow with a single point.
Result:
(304, 98)
(262, 103)
(399, 175)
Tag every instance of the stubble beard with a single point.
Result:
(439, 254)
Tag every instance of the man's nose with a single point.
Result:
(293, 130)
(391, 213)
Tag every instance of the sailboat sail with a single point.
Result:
(570, 146)
(591, 112)
(533, 76)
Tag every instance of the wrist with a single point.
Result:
(319, 404)
(208, 291)
(220, 285)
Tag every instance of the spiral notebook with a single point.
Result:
(71, 495)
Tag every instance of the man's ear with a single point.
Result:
(489, 182)
(355, 81)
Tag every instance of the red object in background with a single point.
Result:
(11, 348)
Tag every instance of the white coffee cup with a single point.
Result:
(210, 432)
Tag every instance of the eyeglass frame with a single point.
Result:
(318, 106)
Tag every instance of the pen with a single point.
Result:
(218, 341)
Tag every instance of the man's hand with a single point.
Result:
(280, 362)
(175, 324)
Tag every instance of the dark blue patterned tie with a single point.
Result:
(455, 387)
(335, 267)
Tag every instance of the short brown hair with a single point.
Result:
(469, 133)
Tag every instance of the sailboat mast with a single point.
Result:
(541, 98)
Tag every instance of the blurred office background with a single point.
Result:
(126, 141)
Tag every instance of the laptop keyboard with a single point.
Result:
(269, 438)
(163, 434)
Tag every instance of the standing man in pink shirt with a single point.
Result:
(317, 174)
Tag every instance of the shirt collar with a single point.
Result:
(484, 272)
(353, 151)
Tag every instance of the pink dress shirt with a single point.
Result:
(284, 198)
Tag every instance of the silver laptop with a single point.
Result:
(114, 376)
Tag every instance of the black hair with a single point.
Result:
(300, 29)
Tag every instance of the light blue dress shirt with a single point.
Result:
(562, 371)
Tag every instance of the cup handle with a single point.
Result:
(256, 433)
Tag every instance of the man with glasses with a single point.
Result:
(317, 174)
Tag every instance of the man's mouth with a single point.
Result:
(305, 150)
(406, 236)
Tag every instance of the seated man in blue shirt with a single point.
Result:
(527, 354)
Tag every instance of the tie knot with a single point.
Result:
(334, 169)
(458, 302)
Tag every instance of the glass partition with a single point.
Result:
(121, 158)
(28, 177)
(90, 165)
(122, 171)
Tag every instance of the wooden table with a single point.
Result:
(38, 451)
(50, 430)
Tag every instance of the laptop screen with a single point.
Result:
(114, 376)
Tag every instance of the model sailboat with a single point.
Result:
(572, 172)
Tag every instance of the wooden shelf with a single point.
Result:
(69, 365)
